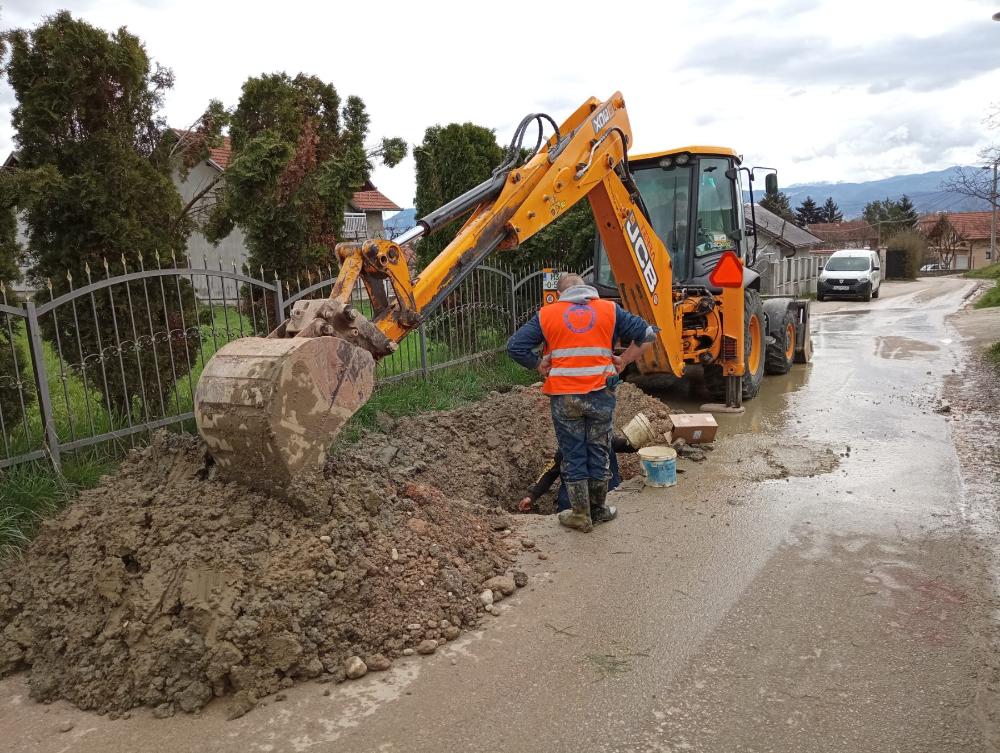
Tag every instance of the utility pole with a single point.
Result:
(993, 216)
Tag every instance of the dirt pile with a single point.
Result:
(165, 587)
(162, 588)
(490, 451)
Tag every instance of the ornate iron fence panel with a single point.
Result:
(117, 355)
(105, 359)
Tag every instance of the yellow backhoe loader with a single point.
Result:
(673, 248)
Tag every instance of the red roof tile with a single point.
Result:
(368, 200)
(373, 201)
(851, 230)
(220, 155)
(970, 226)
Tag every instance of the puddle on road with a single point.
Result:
(756, 457)
(765, 413)
(895, 347)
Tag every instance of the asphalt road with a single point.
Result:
(821, 583)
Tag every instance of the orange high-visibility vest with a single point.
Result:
(579, 337)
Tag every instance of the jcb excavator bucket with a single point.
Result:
(268, 408)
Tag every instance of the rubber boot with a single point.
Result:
(600, 512)
(577, 518)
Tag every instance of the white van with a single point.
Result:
(852, 273)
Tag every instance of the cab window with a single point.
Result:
(665, 193)
(716, 208)
(666, 196)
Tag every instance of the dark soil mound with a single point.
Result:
(165, 587)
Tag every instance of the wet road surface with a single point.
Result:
(821, 583)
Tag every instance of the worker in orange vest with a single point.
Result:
(576, 336)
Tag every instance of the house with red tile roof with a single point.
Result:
(363, 215)
(969, 234)
(846, 234)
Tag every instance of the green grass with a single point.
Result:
(29, 492)
(993, 355)
(992, 272)
(992, 296)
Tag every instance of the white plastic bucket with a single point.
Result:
(659, 465)
(638, 431)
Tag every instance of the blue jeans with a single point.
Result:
(583, 431)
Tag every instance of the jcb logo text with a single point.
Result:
(602, 117)
(641, 251)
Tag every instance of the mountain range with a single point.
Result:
(400, 222)
(924, 190)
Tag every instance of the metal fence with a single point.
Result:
(794, 276)
(119, 354)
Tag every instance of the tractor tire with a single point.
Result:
(780, 354)
(754, 339)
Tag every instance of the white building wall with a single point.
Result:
(376, 226)
(203, 254)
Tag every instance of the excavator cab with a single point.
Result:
(694, 200)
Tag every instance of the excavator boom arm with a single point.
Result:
(585, 159)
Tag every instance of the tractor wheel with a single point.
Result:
(753, 352)
(781, 352)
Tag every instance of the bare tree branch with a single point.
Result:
(192, 208)
(976, 183)
(946, 239)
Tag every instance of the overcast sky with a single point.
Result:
(823, 90)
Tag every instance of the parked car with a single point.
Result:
(851, 273)
(934, 268)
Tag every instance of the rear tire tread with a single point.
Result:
(775, 359)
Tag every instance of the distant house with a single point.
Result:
(847, 234)
(362, 216)
(971, 234)
(776, 236)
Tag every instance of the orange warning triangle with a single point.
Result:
(728, 273)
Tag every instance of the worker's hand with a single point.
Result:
(524, 505)
(545, 366)
(619, 363)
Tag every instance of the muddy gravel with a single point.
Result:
(166, 587)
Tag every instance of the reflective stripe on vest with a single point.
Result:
(578, 337)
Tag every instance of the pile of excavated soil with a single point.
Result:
(166, 587)
(492, 450)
